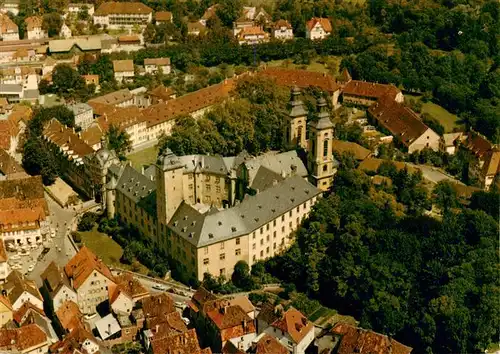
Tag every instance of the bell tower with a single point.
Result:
(320, 150)
(295, 123)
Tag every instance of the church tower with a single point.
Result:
(320, 151)
(169, 182)
(295, 122)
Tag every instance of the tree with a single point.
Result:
(83, 14)
(87, 221)
(127, 256)
(228, 11)
(149, 33)
(445, 196)
(67, 80)
(119, 141)
(52, 23)
(241, 276)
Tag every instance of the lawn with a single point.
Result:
(143, 157)
(332, 61)
(107, 249)
(321, 312)
(447, 120)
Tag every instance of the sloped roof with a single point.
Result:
(372, 164)
(113, 98)
(163, 16)
(210, 12)
(25, 189)
(243, 302)
(359, 152)
(107, 326)
(157, 306)
(265, 178)
(130, 38)
(83, 264)
(362, 341)
(93, 134)
(9, 166)
(127, 284)
(73, 341)
(65, 137)
(165, 326)
(282, 23)
(69, 315)
(201, 296)
(7, 25)
(22, 338)
(324, 22)
(24, 310)
(181, 343)
(269, 345)
(195, 27)
(84, 43)
(157, 61)
(492, 163)
(301, 78)
(134, 185)
(230, 316)
(449, 139)
(478, 144)
(17, 284)
(33, 22)
(54, 277)
(3, 253)
(123, 65)
(113, 7)
(295, 324)
(404, 124)
(369, 89)
(162, 92)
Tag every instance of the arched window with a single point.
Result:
(325, 148)
(299, 135)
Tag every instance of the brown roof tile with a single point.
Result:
(168, 325)
(477, 144)
(163, 16)
(269, 313)
(358, 340)
(33, 22)
(112, 98)
(121, 117)
(123, 65)
(372, 164)
(195, 27)
(157, 305)
(24, 190)
(82, 265)
(9, 166)
(359, 152)
(162, 92)
(157, 61)
(210, 12)
(282, 23)
(7, 25)
(324, 22)
(24, 311)
(301, 78)
(369, 89)
(225, 317)
(295, 324)
(5, 300)
(54, 277)
(69, 316)
(63, 136)
(73, 341)
(492, 163)
(269, 345)
(404, 124)
(182, 343)
(7, 132)
(131, 38)
(112, 7)
(130, 286)
(24, 338)
(17, 284)
(243, 302)
(93, 134)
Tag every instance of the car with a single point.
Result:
(30, 268)
(16, 256)
(45, 251)
(53, 233)
(180, 305)
(159, 287)
(24, 253)
(186, 321)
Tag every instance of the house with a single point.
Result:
(77, 341)
(195, 28)
(450, 142)
(125, 293)
(318, 28)
(76, 8)
(34, 28)
(120, 98)
(266, 344)
(19, 290)
(208, 14)
(165, 326)
(358, 152)
(10, 6)
(362, 93)
(29, 339)
(253, 35)
(241, 23)
(115, 15)
(156, 307)
(124, 70)
(403, 124)
(23, 212)
(491, 168)
(90, 278)
(163, 17)
(154, 65)
(282, 30)
(6, 311)
(245, 304)
(180, 343)
(65, 31)
(108, 327)
(91, 80)
(347, 339)
(130, 43)
(8, 29)
(161, 94)
(57, 287)
(84, 115)
(25, 311)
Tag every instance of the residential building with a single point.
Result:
(357, 151)
(252, 35)
(450, 142)
(6, 311)
(242, 23)
(195, 28)
(19, 290)
(208, 14)
(84, 115)
(362, 93)
(344, 338)
(65, 31)
(91, 80)
(34, 28)
(160, 94)
(266, 344)
(56, 287)
(4, 265)
(124, 293)
(76, 45)
(108, 327)
(8, 29)
(123, 69)
(10, 6)
(115, 15)
(318, 28)
(69, 316)
(403, 124)
(90, 278)
(179, 343)
(77, 341)
(120, 98)
(93, 135)
(29, 339)
(491, 168)
(163, 17)
(23, 212)
(282, 30)
(154, 65)
(76, 8)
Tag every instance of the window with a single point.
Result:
(254, 258)
(237, 252)
(261, 241)
(222, 271)
(191, 187)
(274, 245)
(237, 240)
(261, 230)
(290, 225)
(299, 135)
(325, 168)
(208, 187)
(207, 178)
(190, 176)
(267, 250)
(253, 246)
(325, 148)
(253, 235)
(290, 213)
(298, 208)
(267, 238)
(217, 189)
(218, 180)
(205, 261)
(274, 222)
(262, 253)
(282, 217)
(282, 229)
(274, 234)
(267, 227)
(222, 256)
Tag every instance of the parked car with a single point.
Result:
(180, 305)
(186, 321)
(30, 268)
(159, 287)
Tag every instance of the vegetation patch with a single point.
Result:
(143, 157)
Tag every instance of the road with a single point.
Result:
(434, 174)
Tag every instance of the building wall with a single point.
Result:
(5, 315)
(64, 294)
(122, 304)
(300, 348)
(92, 292)
(131, 213)
(243, 342)
(117, 21)
(283, 33)
(153, 69)
(320, 164)
(429, 139)
(296, 132)
(84, 119)
(4, 272)
(27, 297)
(316, 33)
(205, 188)
(21, 237)
(37, 33)
(124, 76)
(10, 36)
(359, 100)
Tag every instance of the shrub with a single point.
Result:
(87, 221)
(76, 237)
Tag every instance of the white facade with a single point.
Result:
(23, 237)
(117, 21)
(4, 270)
(63, 294)
(65, 31)
(92, 292)
(317, 32)
(153, 68)
(122, 76)
(10, 36)
(243, 342)
(84, 115)
(76, 8)
(286, 340)
(27, 297)
(37, 33)
(123, 304)
(283, 33)
(90, 346)
(429, 139)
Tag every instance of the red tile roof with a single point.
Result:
(127, 284)
(82, 265)
(324, 22)
(295, 324)
(358, 340)
(165, 326)
(63, 136)
(269, 345)
(282, 23)
(492, 163)
(7, 131)
(163, 16)
(477, 144)
(157, 61)
(369, 89)
(404, 124)
(73, 341)
(24, 311)
(9, 166)
(231, 317)
(33, 22)
(301, 78)
(5, 300)
(69, 315)
(182, 343)
(123, 65)
(359, 152)
(157, 305)
(23, 338)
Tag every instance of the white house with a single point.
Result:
(34, 27)
(318, 28)
(4, 266)
(253, 35)
(153, 65)
(121, 303)
(123, 69)
(8, 29)
(65, 31)
(84, 115)
(449, 142)
(163, 17)
(19, 290)
(282, 30)
(115, 15)
(57, 286)
(75, 8)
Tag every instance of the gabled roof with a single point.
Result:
(286, 164)
(5, 301)
(370, 89)
(295, 324)
(210, 12)
(492, 163)
(9, 166)
(404, 124)
(157, 61)
(73, 341)
(269, 345)
(231, 316)
(113, 7)
(82, 265)
(162, 92)
(201, 296)
(478, 144)
(17, 284)
(129, 286)
(66, 138)
(359, 152)
(282, 23)
(33, 22)
(165, 326)
(113, 98)
(323, 22)
(362, 341)
(157, 306)
(69, 316)
(301, 78)
(25, 310)
(123, 65)
(182, 343)
(22, 339)
(195, 27)
(163, 16)
(265, 178)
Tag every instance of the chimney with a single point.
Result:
(275, 182)
(109, 328)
